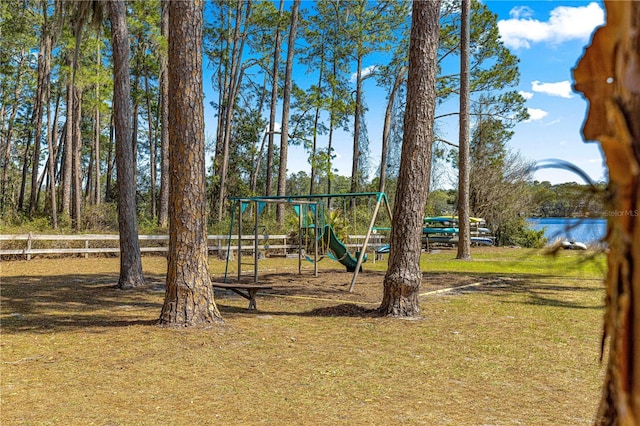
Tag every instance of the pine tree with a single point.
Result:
(189, 298)
(403, 277)
(130, 261)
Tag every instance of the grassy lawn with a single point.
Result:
(518, 343)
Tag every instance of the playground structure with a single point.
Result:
(305, 206)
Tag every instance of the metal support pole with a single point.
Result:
(300, 240)
(255, 245)
(239, 240)
(364, 246)
(315, 243)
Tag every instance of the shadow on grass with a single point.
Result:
(537, 293)
(67, 302)
(91, 302)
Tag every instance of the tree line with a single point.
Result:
(281, 77)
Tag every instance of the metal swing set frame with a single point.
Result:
(240, 203)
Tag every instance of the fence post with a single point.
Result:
(29, 246)
(86, 246)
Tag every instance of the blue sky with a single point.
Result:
(548, 37)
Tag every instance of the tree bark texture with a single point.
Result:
(96, 198)
(130, 261)
(5, 148)
(609, 76)
(189, 298)
(152, 144)
(274, 101)
(76, 160)
(51, 165)
(464, 237)
(286, 104)
(403, 277)
(67, 163)
(386, 128)
(163, 211)
(42, 96)
(355, 178)
(8, 135)
(234, 89)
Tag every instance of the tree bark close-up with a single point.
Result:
(609, 77)
(403, 277)
(189, 298)
(131, 275)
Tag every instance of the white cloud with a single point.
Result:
(526, 95)
(561, 88)
(365, 73)
(535, 114)
(521, 12)
(565, 23)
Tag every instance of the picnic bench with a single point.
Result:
(250, 288)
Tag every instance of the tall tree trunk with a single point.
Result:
(52, 129)
(403, 277)
(76, 156)
(5, 149)
(108, 193)
(134, 117)
(329, 169)
(189, 298)
(41, 180)
(25, 170)
(94, 196)
(609, 76)
(67, 158)
(316, 120)
(8, 135)
(75, 148)
(284, 137)
(42, 96)
(256, 156)
(234, 90)
(256, 170)
(163, 213)
(88, 188)
(223, 78)
(274, 101)
(96, 145)
(464, 237)
(130, 261)
(386, 129)
(332, 123)
(152, 144)
(356, 131)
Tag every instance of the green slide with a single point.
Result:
(339, 250)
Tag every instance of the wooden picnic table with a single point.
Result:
(251, 290)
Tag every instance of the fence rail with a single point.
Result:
(28, 244)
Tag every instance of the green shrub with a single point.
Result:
(100, 218)
(516, 232)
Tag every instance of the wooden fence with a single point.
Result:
(31, 244)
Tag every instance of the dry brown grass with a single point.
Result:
(516, 349)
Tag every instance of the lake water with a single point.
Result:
(585, 230)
